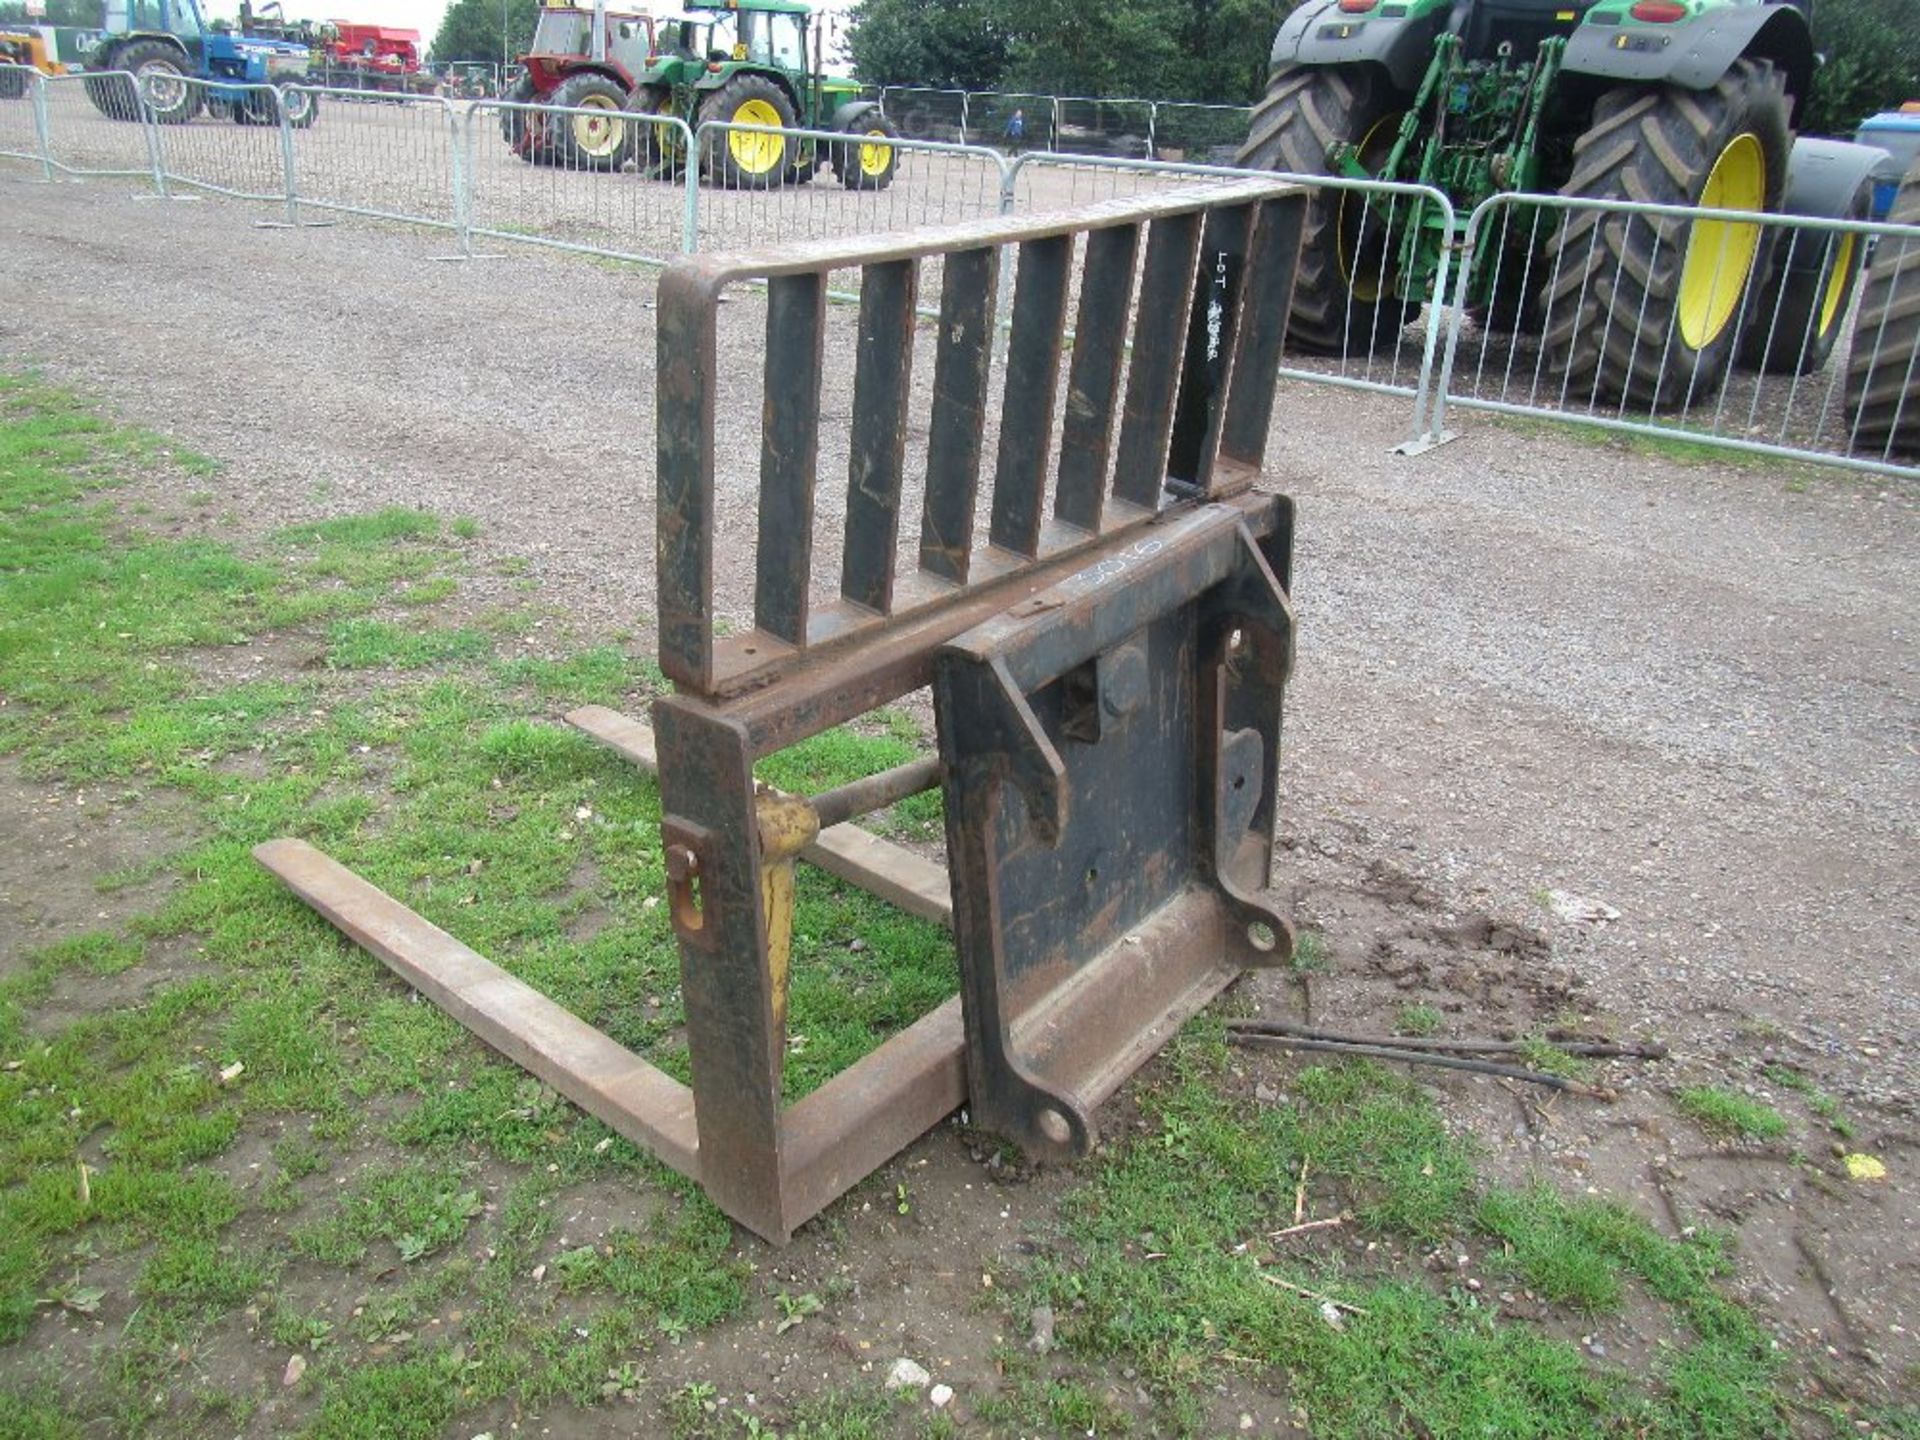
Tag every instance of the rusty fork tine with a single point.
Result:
(789, 453)
(960, 370)
(882, 387)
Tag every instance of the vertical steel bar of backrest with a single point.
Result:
(1093, 381)
(1146, 426)
(685, 356)
(1213, 329)
(1272, 260)
(960, 371)
(882, 387)
(789, 453)
(1026, 410)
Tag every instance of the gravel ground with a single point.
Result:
(1527, 662)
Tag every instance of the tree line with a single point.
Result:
(1216, 50)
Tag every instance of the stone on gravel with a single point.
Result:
(940, 1396)
(1041, 1323)
(907, 1375)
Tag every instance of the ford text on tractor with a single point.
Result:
(748, 63)
(165, 44)
(1681, 102)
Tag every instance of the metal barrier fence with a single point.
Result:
(591, 181)
(1546, 309)
(1070, 124)
(1754, 333)
(1359, 347)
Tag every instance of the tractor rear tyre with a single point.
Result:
(1649, 308)
(660, 149)
(742, 160)
(1798, 315)
(523, 130)
(1883, 369)
(867, 162)
(601, 140)
(1343, 293)
(13, 83)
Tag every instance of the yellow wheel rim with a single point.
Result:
(1374, 149)
(598, 135)
(1836, 292)
(666, 138)
(875, 160)
(1720, 253)
(756, 154)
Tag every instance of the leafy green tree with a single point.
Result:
(1873, 62)
(955, 44)
(80, 14)
(471, 30)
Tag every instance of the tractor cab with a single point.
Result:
(566, 38)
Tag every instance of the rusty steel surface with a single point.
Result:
(1100, 605)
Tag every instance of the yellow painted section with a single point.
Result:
(756, 154)
(1720, 253)
(874, 159)
(1836, 283)
(787, 826)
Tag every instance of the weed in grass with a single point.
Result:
(1548, 1058)
(418, 1208)
(1417, 1020)
(1723, 1112)
(464, 527)
(1309, 953)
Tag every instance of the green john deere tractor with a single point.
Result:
(756, 62)
(1683, 102)
(742, 62)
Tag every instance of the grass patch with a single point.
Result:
(1725, 1113)
(1162, 1261)
(517, 834)
(1418, 1020)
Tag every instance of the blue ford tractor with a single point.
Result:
(166, 45)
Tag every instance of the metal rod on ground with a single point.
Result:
(875, 792)
(1593, 1049)
(1423, 1057)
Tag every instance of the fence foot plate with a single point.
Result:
(1421, 444)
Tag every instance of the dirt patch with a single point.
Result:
(76, 860)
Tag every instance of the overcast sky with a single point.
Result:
(421, 15)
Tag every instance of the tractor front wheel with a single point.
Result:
(1648, 308)
(660, 147)
(13, 83)
(160, 76)
(523, 130)
(301, 107)
(599, 139)
(1798, 315)
(1883, 368)
(867, 161)
(745, 159)
(1344, 294)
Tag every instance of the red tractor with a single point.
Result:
(581, 59)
